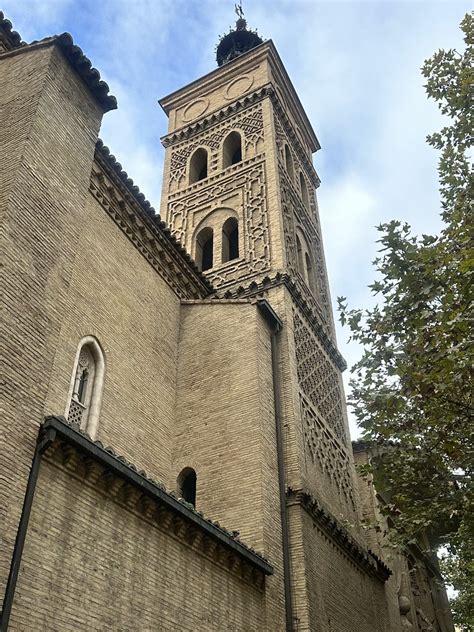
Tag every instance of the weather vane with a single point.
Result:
(239, 11)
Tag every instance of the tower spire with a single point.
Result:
(237, 41)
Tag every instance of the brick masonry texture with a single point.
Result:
(189, 376)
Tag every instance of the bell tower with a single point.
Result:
(239, 192)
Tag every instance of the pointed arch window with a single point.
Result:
(187, 482)
(198, 165)
(205, 249)
(289, 163)
(232, 150)
(230, 240)
(86, 387)
(304, 191)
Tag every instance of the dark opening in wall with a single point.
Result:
(304, 191)
(289, 163)
(232, 150)
(198, 166)
(230, 240)
(187, 485)
(205, 249)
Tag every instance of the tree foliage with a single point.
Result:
(413, 386)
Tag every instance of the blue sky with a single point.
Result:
(355, 65)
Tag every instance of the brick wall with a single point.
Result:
(91, 564)
(50, 124)
(225, 426)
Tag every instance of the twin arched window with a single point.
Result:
(229, 244)
(86, 386)
(231, 155)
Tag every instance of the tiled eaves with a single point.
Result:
(185, 520)
(364, 558)
(9, 38)
(114, 169)
(83, 66)
(73, 54)
(315, 320)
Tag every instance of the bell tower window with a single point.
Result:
(289, 163)
(205, 249)
(230, 240)
(232, 150)
(198, 166)
(304, 191)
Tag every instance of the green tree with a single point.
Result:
(413, 388)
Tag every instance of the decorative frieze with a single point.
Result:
(326, 452)
(124, 203)
(249, 121)
(318, 378)
(245, 186)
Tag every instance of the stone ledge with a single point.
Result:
(366, 559)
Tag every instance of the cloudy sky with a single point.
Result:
(355, 65)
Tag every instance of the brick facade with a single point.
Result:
(234, 373)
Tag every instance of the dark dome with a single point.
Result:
(236, 43)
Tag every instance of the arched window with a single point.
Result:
(187, 485)
(198, 166)
(299, 252)
(230, 240)
(289, 163)
(86, 388)
(232, 150)
(310, 273)
(304, 191)
(205, 249)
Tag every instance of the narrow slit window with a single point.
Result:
(230, 240)
(198, 166)
(232, 150)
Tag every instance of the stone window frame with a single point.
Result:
(93, 399)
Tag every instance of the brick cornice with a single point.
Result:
(135, 216)
(184, 133)
(112, 475)
(366, 559)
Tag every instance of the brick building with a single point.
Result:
(200, 347)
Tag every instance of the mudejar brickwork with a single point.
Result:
(175, 453)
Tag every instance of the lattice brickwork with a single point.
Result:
(326, 452)
(318, 378)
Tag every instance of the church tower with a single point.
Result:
(239, 192)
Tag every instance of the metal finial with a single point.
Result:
(239, 11)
